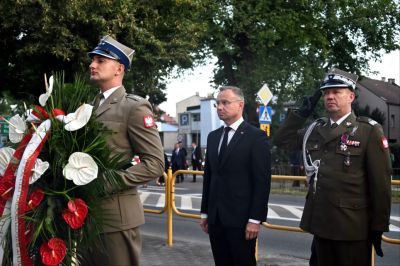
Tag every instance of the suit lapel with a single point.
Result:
(215, 143)
(240, 132)
(113, 98)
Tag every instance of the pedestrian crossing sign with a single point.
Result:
(265, 114)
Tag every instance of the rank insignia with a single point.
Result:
(148, 121)
(343, 147)
(385, 143)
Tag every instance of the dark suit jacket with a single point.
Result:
(237, 188)
(197, 153)
(178, 160)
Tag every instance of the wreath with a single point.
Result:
(55, 170)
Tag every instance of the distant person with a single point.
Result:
(161, 179)
(347, 162)
(184, 151)
(178, 160)
(236, 183)
(196, 159)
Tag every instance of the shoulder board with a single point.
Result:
(322, 121)
(367, 120)
(134, 97)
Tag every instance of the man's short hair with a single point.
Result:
(236, 90)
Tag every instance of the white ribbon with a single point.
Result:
(312, 167)
(33, 144)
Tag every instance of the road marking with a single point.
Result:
(187, 201)
(393, 228)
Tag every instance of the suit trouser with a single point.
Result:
(196, 166)
(121, 248)
(230, 247)
(342, 253)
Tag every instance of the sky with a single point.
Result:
(198, 80)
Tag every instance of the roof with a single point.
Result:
(390, 92)
(164, 127)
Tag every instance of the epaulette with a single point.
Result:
(134, 97)
(367, 120)
(322, 120)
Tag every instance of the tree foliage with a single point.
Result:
(287, 44)
(39, 36)
(290, 44)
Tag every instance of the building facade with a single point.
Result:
(384, 96)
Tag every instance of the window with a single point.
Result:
(196, 117)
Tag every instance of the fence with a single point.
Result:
(171, 208)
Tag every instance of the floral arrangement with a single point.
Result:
(52, 177)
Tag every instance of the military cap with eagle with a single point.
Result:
(337, 78)
(111, 48)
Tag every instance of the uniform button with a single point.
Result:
(322, 163)
(325, 151)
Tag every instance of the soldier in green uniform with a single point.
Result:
(347, 163)
(130, 118)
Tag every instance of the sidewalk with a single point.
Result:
(186, 253)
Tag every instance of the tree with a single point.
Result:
(291, 44)
(41, 36)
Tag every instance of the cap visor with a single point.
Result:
(335, 86)
(101, 53)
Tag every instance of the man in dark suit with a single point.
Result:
(236, 183)
(178, 160)
(196, 159)
(346, 159)
(130, 119)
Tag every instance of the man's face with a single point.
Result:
(229, 106)
(103, 69)
(338, 101)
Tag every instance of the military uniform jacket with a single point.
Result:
(353, 189)
(125, 115)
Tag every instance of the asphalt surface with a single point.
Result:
(188, 253)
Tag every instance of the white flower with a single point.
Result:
(79, 119)
(45, 96)
(38, 170)
(5, 156)
(81, 168)
(17, 128)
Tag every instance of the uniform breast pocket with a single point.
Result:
(313, 146)
(351, 158)
(113, 126)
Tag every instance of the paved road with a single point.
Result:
(282, 246)
(287, 209)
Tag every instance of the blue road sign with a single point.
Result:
(265, 114)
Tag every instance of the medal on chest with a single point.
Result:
(343, 142)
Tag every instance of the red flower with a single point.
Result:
(53, 252)
(76, 213)
(35, 199)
